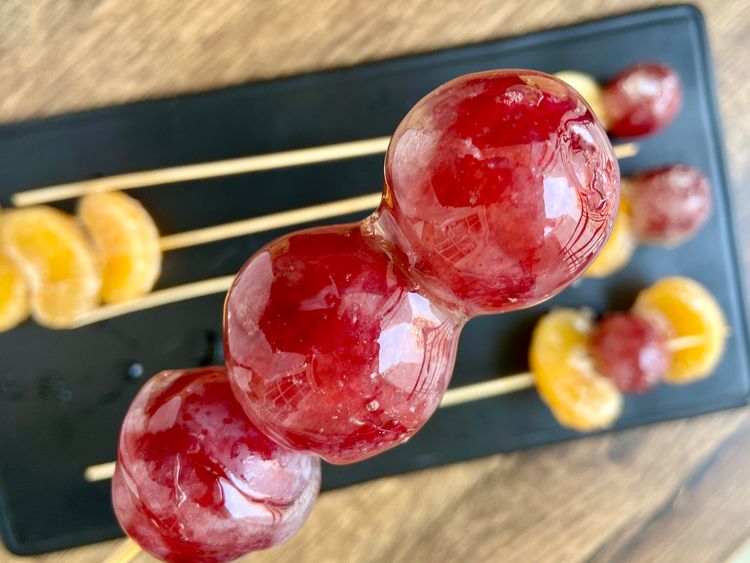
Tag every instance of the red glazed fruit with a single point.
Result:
(642, 99)
(669, 204)
(196, 481)
(501, 187)
(331, 349)
(630, 351)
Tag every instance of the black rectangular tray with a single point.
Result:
(63, 394)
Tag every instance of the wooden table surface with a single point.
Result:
(678, 491)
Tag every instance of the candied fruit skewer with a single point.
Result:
(500, 188)
(195, 480)
(641, 100)
(630, 351)
(669, 204)
(340, 341)
(675, 332)
(663, 206)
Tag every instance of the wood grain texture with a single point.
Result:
(676, 491)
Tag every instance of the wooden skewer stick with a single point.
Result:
(626, 150)
(271, 221)
(242, 165)
(203, 170)
(486, 389)
(456, 396)
(685, 342)
(125, 553)
(157, 299)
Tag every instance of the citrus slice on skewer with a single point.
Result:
(58, 261)
(620, 246)
(127, 242)
(564, 372)
(14, 294)
(683, 308)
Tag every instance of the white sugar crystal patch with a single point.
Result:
(165, 417)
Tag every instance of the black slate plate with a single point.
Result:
(63, 394)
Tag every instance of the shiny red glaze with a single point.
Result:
(669, 204)
(331, 349)
(630, 351)
(196, 481)
(642, 99)
(501, 188)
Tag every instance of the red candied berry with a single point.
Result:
(669, 204)
(642, 99)
(196, 481)
(331, 349)
(501, 188)
(630, 351)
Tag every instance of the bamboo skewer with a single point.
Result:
(452, 397)
(486, 389)
(271, 221)
(626, 150)
(157, 299)
(218, 168)
(125, 553)
(685, 342)
(203, 170)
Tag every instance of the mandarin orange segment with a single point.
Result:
(564, 372)
(127, 242)
(589, 90)
(58, 261)
(685, 310)
(14, 294)
(619, 248)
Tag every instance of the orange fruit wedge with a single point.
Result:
(619, 248)
(14, 294)
(564, 373)
(57, 260)
(589, 90)
(685, 311)
(126, 241)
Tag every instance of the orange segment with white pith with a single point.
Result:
(57, 260)
(564, 373)
(682, 308)
(14, 294)
(126, 241)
